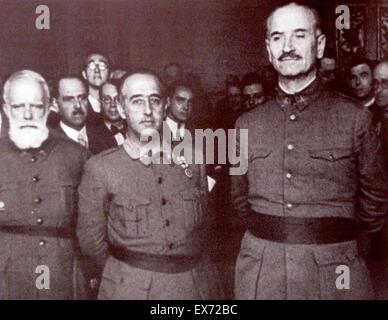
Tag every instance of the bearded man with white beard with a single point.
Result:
(39, 175)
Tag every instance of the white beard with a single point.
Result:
(25, 138)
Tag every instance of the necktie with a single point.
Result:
(178, 135)
(81, 140)
(115, 130)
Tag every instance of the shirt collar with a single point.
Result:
(72, 133)
(370, 102)
(95, 103)
(302, 98)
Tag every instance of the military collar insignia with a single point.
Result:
(301, 99)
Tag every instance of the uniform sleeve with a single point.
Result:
(373, 188)
(239, 178)
(92, 220)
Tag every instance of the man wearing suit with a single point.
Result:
(96, 73)
(179, 108)
(111, 127)
(71, 98)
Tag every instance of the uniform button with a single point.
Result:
(292, 117)
(170, 245)
(33, 159)
(288, 175)
(42, 243)
(331, 157)
(33, 211)
(39, 221)
(290, 147)
(35, 179)
(164, 201)
(38, 200)
(167, 223)
(160, 180)
(289, 205)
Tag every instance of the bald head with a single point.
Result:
(380, 77)
(283, 11)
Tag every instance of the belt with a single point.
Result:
(295, 230)
(154, 262)
(53, 232)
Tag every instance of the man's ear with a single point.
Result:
(321, 44)
(54, 105)
(84, 74)
(167, 104)
(6, 109)
(121, 111)
(268, 50)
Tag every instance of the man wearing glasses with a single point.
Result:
(96, 73)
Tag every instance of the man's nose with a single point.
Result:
(288, 45)
(27, 113)
(147, 107)
(358, 81)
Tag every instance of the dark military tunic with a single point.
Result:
(154, 209)
(38, 189)
(311, 155)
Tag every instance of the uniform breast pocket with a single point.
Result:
(334, 158)
(192, 208)
(133, 215)
(60, 202)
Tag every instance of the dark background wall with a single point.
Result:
(212, 38)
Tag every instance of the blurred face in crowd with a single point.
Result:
(293, 41)
(72, 102)
(26, 107)
(381, 84)
(327, 69)
(234, 96)
(142, 104)
(172, 73)
(180, 105)
(253, 95)
(96, 71)
(110, 99)
(360, 81)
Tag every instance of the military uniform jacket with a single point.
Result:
(154, 208)
(38, 189)
(314, 154)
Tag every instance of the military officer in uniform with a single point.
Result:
(145, 222)
(315, 177)
(39, 175)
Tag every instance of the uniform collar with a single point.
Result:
(136, 152)
(300, 99)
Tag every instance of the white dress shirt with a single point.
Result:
(74, 134)
(95, 103)
(119, 137)
(173, 125)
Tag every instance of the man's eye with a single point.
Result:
(155, 101)
(180, 100)
(38, 106)
(275, 38)
(138, 101)
(16, 106)
(300, 35)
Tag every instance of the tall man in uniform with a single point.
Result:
(145, 220)
(314, 177)
(39, 176)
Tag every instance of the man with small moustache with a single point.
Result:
(39, 176)
(71, 100)
(315, 177)
(143, 219)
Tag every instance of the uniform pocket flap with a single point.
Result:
(340, 254)
(260, 153)
(133, 202)
(331, 154)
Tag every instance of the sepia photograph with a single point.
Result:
(193, 150)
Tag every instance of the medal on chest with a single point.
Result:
(183, 163)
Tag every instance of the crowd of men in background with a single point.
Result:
(143, 229)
